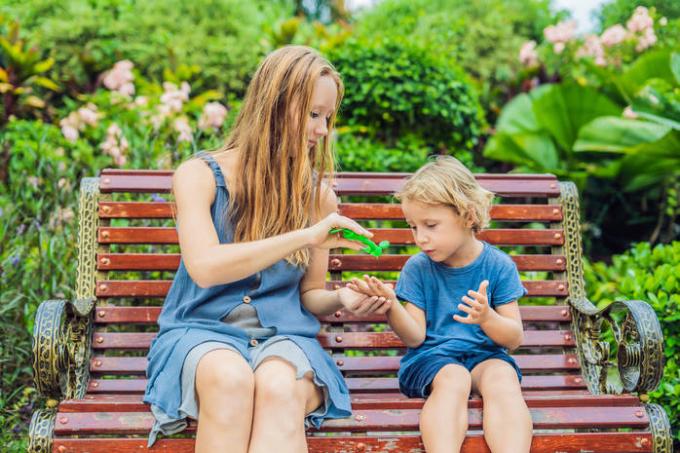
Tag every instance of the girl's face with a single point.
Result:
(437, 230)
(323, 101)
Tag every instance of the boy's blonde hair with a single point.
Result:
(448, 182)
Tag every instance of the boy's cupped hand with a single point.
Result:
(477, 307)
(372, 287)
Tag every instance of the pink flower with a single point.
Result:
(182, 126)
(89, 115)
(213, 116)
(593, 48)
(115, 144)
(173, 98)
(70, 126)
(629, 113)
(613, 35)
(527, 54)
(141, 101)
(640, 20)
(646, 40)
(120, 78)
(560, 33)
(558, 47)
(70, 133)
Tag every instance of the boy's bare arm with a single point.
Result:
(408, 321)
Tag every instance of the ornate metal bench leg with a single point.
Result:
(48, 348)
(40, 431)
(661, 428)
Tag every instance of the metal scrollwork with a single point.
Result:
(635, 332)
(40, 431)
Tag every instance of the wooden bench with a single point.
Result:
(89, 353)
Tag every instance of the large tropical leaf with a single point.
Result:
(651, 163)
(563, 109)
(617, 135)
(651, 65)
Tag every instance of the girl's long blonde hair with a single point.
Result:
(278, 178)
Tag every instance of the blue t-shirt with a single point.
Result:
(437, 289)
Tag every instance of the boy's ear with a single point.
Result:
(470, 218)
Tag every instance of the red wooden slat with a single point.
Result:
(358, 385)
(159, 288)
(557, 398)
(533, 363)
(370, 420)
(396, 236)
(505, 185)
(340, 340)
(611, 442)
(170, 262)
(357, 211)
(149, 315)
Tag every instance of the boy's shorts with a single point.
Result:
(416, 379)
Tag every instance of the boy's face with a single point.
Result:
(322, 106)
(436, 228)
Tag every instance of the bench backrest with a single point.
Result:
(128, 253)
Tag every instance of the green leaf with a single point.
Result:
(650, 164)
(563, 109)
(617, 135)
(650, 65)
(46, 83)
(675, 66)
(518, 116)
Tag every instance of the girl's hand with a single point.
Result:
(318, 235)
(477, 307)
(362, 304)
(372, 286)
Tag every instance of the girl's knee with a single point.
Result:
(224, 373)
(275, 385)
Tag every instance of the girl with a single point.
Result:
(236, 347)
(460, 316)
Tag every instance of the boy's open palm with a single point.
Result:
(371, 286)
(476, 306)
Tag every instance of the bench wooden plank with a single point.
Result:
(357, 211)
(533, 398)
(170, 262)
(371, 420)
(536, 362)
(396, 236)
(340, 340)
(159, 288)
(346, 183)
(149, 315)
(359, 385)
(610, 442)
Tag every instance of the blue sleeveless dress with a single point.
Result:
(192, 315)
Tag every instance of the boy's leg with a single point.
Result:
(444, 421)
(281, 404)
(224, 387)
(507, 422)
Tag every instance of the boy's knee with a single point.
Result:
(453, 378)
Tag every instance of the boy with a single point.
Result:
(460, 314)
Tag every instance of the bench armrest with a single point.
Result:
(633, 327)
(61, 347)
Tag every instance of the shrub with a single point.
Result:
(652, 275)
(394, 88)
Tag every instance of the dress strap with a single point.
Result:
(214, 166)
